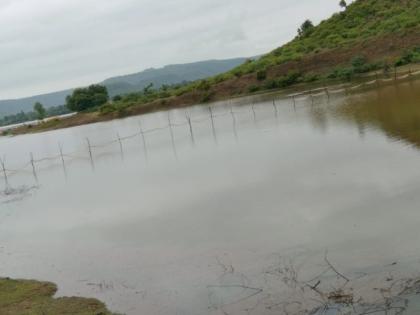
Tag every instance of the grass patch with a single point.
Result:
(28, 297)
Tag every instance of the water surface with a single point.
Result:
(227, 216)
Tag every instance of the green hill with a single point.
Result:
(369, 35)
(363, 22)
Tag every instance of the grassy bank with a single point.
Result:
(139, 109)
(27, 297)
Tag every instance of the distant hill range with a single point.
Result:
(171, 74)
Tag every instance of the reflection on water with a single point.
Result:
(249, 207)
(395, 110)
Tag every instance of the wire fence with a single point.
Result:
(63, 158)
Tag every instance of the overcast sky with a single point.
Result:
(48, 45)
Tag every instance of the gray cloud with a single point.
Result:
(47, 45)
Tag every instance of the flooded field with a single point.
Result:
(255, 206)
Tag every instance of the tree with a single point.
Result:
(148, 89)
(343, 4)
(359, 63)
(85, 98)
(40, 110)
(305, 28)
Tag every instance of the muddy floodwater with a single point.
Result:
(259, 205)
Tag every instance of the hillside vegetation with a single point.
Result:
(368, 35)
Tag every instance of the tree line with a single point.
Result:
(39, 113)
(80, 100)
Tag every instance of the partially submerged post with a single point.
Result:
(172, 135)
(33, 168)
(254, 113)
(60, 147)
(327, 92)
(121, 146)
(235, 132)
(92, 163)
(276, 112)
(143, 141)
(212, 124)
(6, 180)
(191, 128)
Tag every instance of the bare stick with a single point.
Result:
(334, 269)
(33, 167)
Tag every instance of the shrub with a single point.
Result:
(271, 84)
(206, 97)
(253, 88)
(359, 63)
(311, 77)
(291, 78)
(261, 75)
(409, 56)
(342, 73)
(108, 108)
(203, 85)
